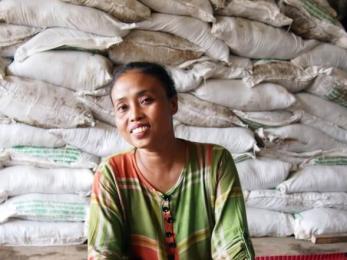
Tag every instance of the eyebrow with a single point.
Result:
(138, 94)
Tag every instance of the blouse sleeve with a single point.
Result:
(106, 234)
(230, 237)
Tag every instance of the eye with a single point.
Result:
(146, 100)
(122, 108)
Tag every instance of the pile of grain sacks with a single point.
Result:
(266, 79)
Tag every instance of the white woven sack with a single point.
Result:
(311, 20)
(258, 10)
(190, 29)
(200, 9)
(298, 138)
(53, 38)
(45, 207)
(237, 95)
(3, 64)
(325, 55)
(101, 140)
(320, 221)
(235, 139)
(9, 51)
(313, 105)
(257, 40)
(18, 180)
(100, 104)
(284, 73)
(39, 233)
(75, 70)
(268, 118)
(124, 10)
(188, 76)
(331, 84)
(11, 34)
(333, 157)
(42, 157)
(295, 202)
(55, 13)
(41, 104)
(325, 126)
(263, 223)
(317, 178)
(196, 112)
(262, 173)
(22, 134)
(159, 47)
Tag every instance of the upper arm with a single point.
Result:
(106, 232)
(230, 237)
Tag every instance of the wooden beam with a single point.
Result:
(331, 238)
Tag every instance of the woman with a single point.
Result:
(167, 198)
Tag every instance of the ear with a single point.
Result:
(174, 105)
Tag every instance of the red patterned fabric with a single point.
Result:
(340, 256)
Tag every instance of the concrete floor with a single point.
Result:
(263, 246)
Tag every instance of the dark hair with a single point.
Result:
(153, 69)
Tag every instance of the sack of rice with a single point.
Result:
(159, 47)
(262, 173)
(235, 139)
(40, 233)
(18, 180)
(45, 207)
(56, 13)
(100, 105)
(190, 29)
(325, 126)
(75, 70)
(313, 105)
(188, 76)
(237, 95)
(11, 34)
(259, 10)
(3, 64)
(318, 178)
(324, 55)
(257, 40)
(41, 104)
(101, 140)
(196, 112)
(320, 221)
(333, 157)
(263, 223)
(68, 157)
(9, 51)
(200, 9)
(311, 20)
(268, 119)
(21, 134)
(295, 202)
(284, 73)
(297, 138)
(331, 84)
(53, 38)
(124, 10)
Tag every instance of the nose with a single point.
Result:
(135, 113)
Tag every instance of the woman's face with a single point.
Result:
(143, 110)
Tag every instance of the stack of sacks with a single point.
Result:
(265, 79)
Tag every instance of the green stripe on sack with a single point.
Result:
(66, 155)
(338, 96)
(318, 11)
(336, 160)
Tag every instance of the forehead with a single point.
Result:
(135, 81)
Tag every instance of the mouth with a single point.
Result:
(139, 129)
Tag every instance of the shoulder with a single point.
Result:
(119, 165)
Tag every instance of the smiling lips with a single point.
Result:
(139, 129)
